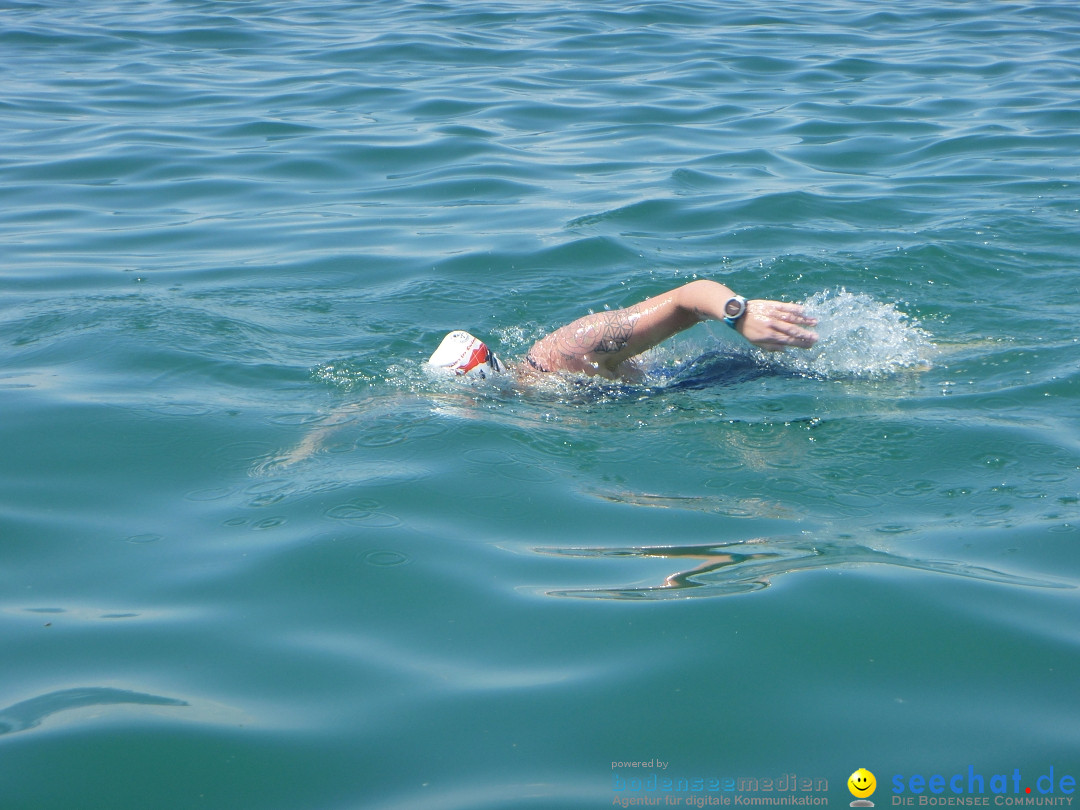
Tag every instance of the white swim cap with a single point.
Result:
(463, 354)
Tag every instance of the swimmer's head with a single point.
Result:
(462, 354)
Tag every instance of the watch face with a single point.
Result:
(734, 308)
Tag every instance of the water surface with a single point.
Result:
(253, 555)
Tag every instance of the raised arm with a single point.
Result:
(600, 343)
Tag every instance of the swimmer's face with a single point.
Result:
(861, 783)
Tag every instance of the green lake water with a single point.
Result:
(253, 555)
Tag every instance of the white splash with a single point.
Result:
(859, 337)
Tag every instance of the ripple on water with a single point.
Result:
(385, 558)
(365, 512)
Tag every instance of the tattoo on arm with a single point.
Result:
(603, 333)
(616, 330)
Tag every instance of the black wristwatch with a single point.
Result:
(734, 309)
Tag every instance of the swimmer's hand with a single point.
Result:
(775, 325)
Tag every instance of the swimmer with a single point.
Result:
(605, 344)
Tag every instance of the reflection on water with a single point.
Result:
(714, 504)
(30, 713)
(732, 568)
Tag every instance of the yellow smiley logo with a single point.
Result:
(861, 783)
